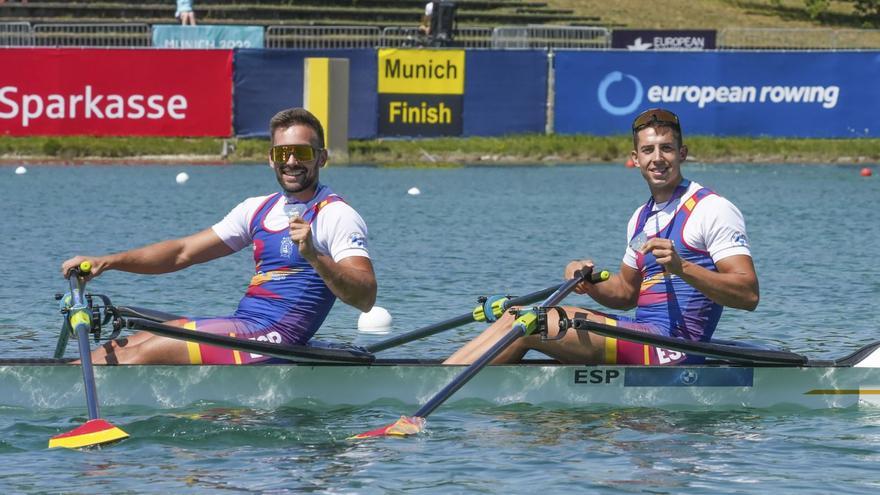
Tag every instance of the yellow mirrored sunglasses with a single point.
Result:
(301, 152)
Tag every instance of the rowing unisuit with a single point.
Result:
(705, 229)
(287, 300)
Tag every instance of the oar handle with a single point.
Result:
(595, 277)
(82, 270)
(600, 276)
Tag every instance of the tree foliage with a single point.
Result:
(868, 11)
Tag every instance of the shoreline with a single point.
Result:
(432, 153)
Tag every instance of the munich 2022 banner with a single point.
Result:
(103, 92)
(820, 95)
(420, 92)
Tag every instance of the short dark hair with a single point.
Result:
(296, 116)
(656, 117)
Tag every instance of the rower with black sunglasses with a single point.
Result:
(687, 257)
(310, 247)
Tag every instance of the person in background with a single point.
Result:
(688, 256)
(425, 25)
(185, 12)
(310, 247)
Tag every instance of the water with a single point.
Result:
(472, 231)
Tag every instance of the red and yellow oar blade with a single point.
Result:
(403, 427)
(91, 434)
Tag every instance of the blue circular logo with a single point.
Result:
(612, 78)
(689, 377)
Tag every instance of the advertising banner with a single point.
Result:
(819, 95)
(505, 92)
(103, 92)
(420, 92)
(207, 36)
(267, 81)
(654, 39)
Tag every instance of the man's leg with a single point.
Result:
(575, 347)
(142, 348)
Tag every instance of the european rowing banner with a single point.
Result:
(818, 95)
(420, 92)
(655, 39)
(100, 92)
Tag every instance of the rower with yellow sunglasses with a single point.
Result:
(310, 248)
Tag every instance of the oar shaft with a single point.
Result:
(516, 332)
(421, 333)
(81, 325)
(455, 322)
(469, 372)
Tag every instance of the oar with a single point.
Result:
(489, 311)
(94, 432)
(300, 353)
(524, 325)
(729, 352)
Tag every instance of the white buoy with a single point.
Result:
(182, 178)
(377, 320)
(414, 191)
(20, 170)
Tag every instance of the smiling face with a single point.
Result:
(659, 155)
(299, 178)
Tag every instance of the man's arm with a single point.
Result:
(621, 291)
(162, 257)
(735, 284)
(351, 279)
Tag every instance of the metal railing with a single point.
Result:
(798, 39)
(129, 35)
(567, 37)
(322, 37)
(406, 36)
(16, 34)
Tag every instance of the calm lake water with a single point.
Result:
(471, 231)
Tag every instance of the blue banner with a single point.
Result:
(207, 36)
(505, 92)
(267, 81)
(819, 95)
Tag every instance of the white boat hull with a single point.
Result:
(37, 386)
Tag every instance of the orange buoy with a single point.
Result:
(866, 172)
(630, 163)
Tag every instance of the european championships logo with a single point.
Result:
(616, 77)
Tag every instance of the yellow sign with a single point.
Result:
(424, 72)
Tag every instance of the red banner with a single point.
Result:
(108, 92)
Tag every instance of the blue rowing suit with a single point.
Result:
(668, 305)
(286, 301)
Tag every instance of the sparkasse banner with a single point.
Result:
(109, 92)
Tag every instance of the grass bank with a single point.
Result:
(438, 152)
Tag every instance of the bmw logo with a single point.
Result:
(689, 377)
